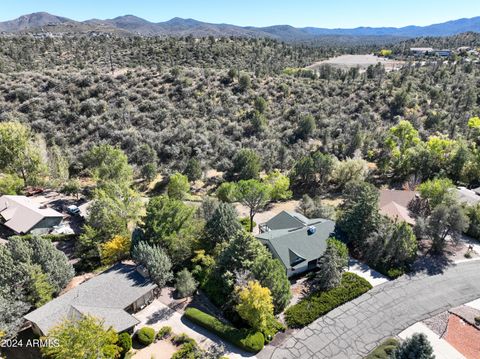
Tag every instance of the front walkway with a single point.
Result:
(157, 315)
(161, 349)
(364, 271)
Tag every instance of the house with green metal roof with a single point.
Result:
(297, 241)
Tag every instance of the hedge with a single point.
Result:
(49, 237)
(243, 338)
(384, 350)
(146, 335)
(60, 237)
(321, 302)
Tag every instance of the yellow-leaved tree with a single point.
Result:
(115, 249)
(255, 304)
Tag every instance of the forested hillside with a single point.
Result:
(206, 99)
(174, 153)
(471, 39)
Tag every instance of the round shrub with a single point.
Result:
(146, 335)
(255, 341)
(124, 342)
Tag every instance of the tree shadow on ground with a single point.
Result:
(136, 344)
(432, 264)
(161, 314)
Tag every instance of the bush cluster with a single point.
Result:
(124, 342)
(181, 339)
(164, 332)
(384, 350)
(321, 302)
(243, 338)
(187, 350)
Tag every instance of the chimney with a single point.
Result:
(143, 271)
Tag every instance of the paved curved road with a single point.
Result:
(354, 329)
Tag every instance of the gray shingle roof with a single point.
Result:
(467, 196)
(21, 214)
(291, 245)
(288, 219)
(104, 296)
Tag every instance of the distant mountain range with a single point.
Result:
(132, 25)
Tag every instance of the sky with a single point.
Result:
(299, 13)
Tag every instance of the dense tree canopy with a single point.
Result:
(109, 164)
(245, 255)
(171, 224)
(359, 213)
(85, 338)
(19, 154)
(155, 260)
(222, 226)
(32, 271)
(170, 100)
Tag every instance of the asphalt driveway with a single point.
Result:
(354, 329)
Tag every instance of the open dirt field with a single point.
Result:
(361, 61)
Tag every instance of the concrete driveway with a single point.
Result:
(354, 329)
(157, 315)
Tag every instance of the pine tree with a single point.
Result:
(417, 347)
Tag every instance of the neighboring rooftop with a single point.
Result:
(394, 204)
(304, 241)
(421, 49)
(105, 296)
(21, 214)
(468, 196)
